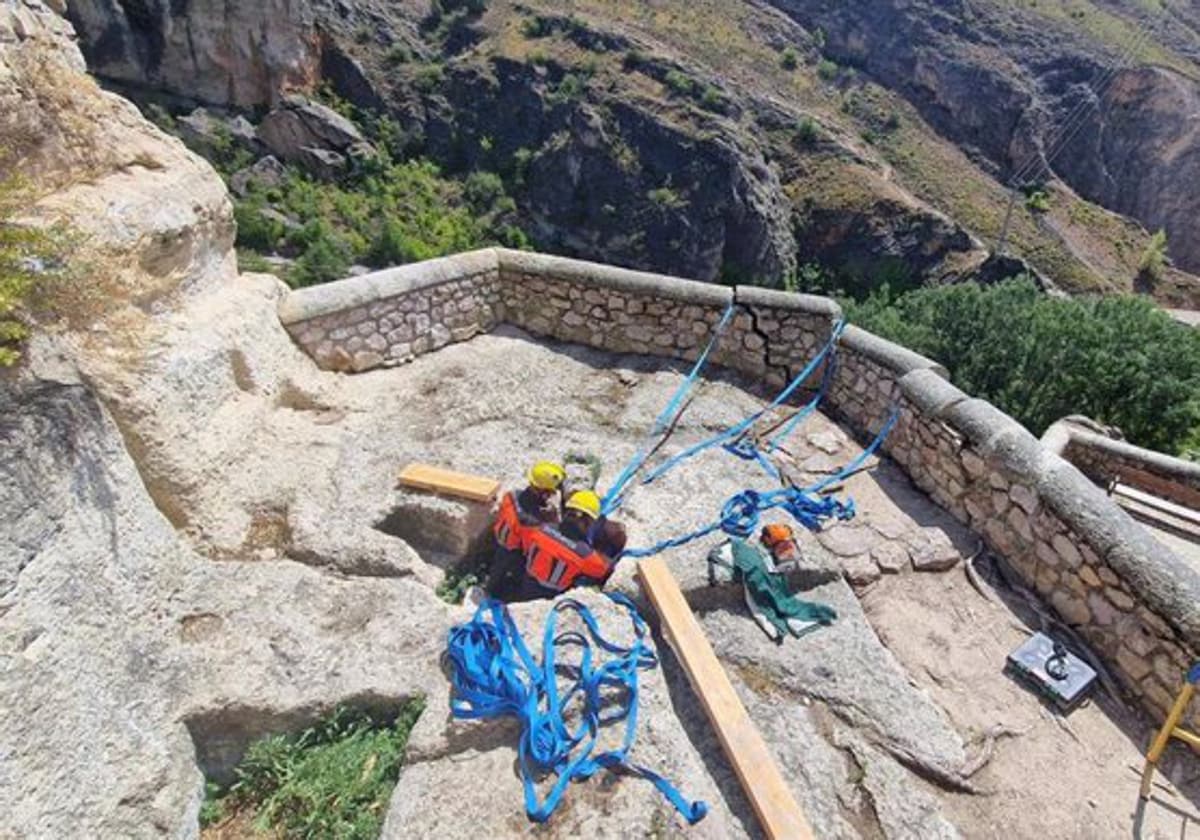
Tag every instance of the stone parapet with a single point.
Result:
(1129, 597)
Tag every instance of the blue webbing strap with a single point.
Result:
(741, 513)
(736, 431)
(826, 380)
(612, 499)
(493, 674)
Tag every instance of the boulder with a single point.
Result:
(210, 133)
(265, 173)
(301, 124)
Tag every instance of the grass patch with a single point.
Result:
(331, 781)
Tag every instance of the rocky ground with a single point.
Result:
(279, 598)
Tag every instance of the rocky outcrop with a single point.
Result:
(1138, 152)
(1002, 81)
(243, 54)
(311, 134)
(611, 178)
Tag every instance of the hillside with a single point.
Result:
(222, 613)
(790, 143)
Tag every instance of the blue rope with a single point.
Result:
(826, 381)
(493, 674)
(612, 499)
(736, 431)
(742, 513)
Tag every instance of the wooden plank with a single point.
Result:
(449, 483)
(1157, 519)
(1163, 488)
(1163, 505)
(777, 810)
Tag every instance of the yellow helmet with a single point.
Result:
(584, 501)
(546, 475)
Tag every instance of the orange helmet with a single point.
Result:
(776, 533)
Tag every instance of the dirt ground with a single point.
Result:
(1063, 777)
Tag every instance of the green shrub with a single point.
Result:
(808, 132)
(398, 54)
(679, 83)
(1154, 258)
(633, 59)
(483, 191)
(537, 27)
(325, 258)
(827, 70)
(1039, 358)
(330, 782)
(789, 59)
(255, 229)
(571, 87)
(1038, 202)
(667, 198)
(712, 100)
(429, 78)
(29, 257)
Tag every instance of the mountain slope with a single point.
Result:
(742, 140)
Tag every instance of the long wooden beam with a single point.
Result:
(778, 812)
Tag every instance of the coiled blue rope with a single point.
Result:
(493, 674)
(612, 499)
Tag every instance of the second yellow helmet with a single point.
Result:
(584, 501)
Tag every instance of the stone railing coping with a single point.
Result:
(1185, 472)
(929, 391)
(794, 301)
(315, 301)
(1168, 586)
(614, 278)
(900, 360)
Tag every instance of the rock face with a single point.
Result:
(689, 203)
(1001, 81)
(1139, 153)
(244, 54)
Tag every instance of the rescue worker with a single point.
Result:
(533, 507)
(558, 558)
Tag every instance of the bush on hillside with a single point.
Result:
(332, 780)
(1116, 359)
(28, 257)
(1154, 258)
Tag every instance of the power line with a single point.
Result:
(1068, 129)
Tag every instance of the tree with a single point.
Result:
(1117, 359)
(1154, 258)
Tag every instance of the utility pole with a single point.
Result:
(1012, 203)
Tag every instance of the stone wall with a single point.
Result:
(1105, 460)
(1132, 599)
(392, 316)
